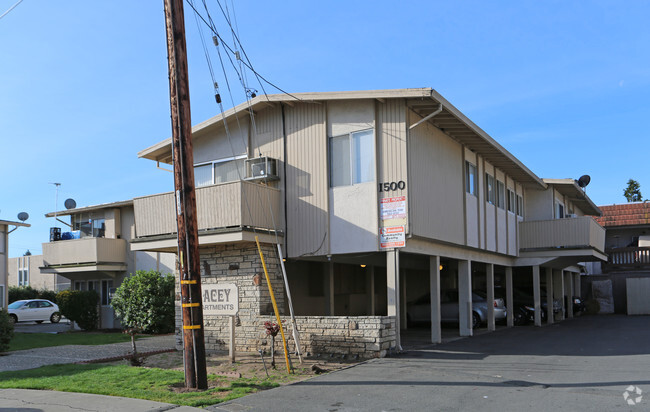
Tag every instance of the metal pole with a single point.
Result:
(188, 252)
(296, 334)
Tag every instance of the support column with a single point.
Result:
(434, 289)
(489, 275)
(558, 290)
(465, 297)
(509, 299)
(536, 296)
(402, 291)
(370, 290)
(330, 289)
(568, 290)
(392, 288)
(576, 285)
(549, 296)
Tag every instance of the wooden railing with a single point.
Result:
(89, 250)
(233, 204)
(627, 258)
(572, 233)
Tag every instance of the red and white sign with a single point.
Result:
(391, 237)
(393, 208)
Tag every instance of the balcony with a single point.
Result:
(86, 254)
(627, 259)
(233, 205)
(582, 235)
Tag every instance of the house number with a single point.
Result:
(392, 186)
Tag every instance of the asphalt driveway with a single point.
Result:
(587, 363)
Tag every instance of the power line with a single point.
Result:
(11, 8)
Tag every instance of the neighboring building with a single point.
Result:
(349, 176)
(26, 271)
(4, 258)
(94, 254)
(627, 244)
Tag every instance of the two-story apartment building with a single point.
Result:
(26, 271)
(376, 198)
(4, 258)
(94, 253)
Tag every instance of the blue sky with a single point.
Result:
(563, 85)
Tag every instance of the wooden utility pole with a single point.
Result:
(188, 239)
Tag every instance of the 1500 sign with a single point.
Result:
(392, 186)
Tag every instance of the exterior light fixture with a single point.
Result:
(363, 266)
(440, 267)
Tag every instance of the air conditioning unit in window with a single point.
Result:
(568, 215)
(262, 168)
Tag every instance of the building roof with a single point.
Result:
(627, 214)
(570, 188)
(423, 101)
(111, 205)
(9, 222)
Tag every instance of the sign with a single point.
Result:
(220, 299)
(390, 237)
(393, 208)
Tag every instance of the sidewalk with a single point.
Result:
(35, 358)
(51, 401)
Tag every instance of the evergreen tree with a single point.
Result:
(633, 193)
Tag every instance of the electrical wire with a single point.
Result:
(11, 8)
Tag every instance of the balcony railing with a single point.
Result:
(85, 251)
(571, 233)
(627, 258)
(227, 205)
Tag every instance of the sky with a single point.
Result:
(563, 85)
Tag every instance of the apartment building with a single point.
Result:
(377, 198)
(26, 271)
(93, 252)
(4, 257)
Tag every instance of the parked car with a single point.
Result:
(419, 311)
(523, 305)
(34, 310)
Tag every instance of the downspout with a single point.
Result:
(284, 147)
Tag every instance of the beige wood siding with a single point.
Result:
(576, 232)
(392, 147)
(436, 172)
(94, 250)
(307, 180)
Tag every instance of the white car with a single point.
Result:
(34, 310)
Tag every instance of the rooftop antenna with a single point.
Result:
(56, 200)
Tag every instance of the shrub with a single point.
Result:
(28, 292)
(145, 302)
(79, 306)
(6, 330)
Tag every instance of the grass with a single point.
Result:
(161, 385)
(22, 341)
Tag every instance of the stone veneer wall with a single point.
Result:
(366, 336)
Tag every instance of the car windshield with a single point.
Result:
(16, 304)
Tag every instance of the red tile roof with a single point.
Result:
(627, 214)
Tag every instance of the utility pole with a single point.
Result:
(188, 239)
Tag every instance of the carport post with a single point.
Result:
(558, 286)
(392, 289)
(576, 285)
(509, 299)
(489, 274)
(568, 289)
(549, 296)
(434, 289)
(536, 296)
(465, 297)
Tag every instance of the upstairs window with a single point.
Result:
(559, 210)
(352, 158)
(490, 195)
(470, 178)
(501, 195)
(224, 170)
(520, 206)
(91, 227)
(512, 206)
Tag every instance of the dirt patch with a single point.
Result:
(250, 365)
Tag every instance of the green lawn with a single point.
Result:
(132, 382)
(22, 341)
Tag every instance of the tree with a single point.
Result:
(633, 193)
(145, 302)
(6, 330)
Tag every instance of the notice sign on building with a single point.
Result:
(393, 208)
(390, 237)
(220, 299)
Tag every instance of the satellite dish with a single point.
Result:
(70, 204)
(22, 216)
(584, 181)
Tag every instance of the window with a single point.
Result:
(512, 206)
(489, 189)
(520, 206)
(470, 178)
(91, 227)
(99, 227)
(107, 292)
(501, 195)
(559, 210)
(79, 285)
(352, 158)
(220, 171)
(23, 271)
